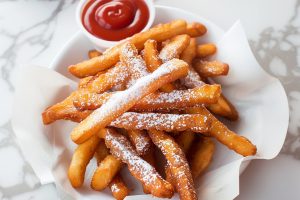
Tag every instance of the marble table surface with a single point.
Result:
(33, 31)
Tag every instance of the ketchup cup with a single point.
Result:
(102, 44)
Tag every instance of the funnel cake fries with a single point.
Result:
(124, 100)
(178, 99)
(141, 141)
(203, 151)
(140, 169)
(153, 62)
(106, 171)
(177, 164)
(150, 90)
(118, 188)
(211, 68)
(174, 48)
(81, 157)
(163, 122)
(111, 56)
(117, 185)
(105, 81)
(205, 50)
(218, 130)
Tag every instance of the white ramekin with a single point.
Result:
(101, 44)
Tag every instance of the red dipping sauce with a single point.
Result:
(114, 20)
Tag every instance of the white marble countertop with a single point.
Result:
(33, 31)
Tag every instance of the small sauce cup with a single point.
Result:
(101, 44)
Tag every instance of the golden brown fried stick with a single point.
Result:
(211, 68)
(153, 62)
(118, 188)
(103, 82)
(195, 29)
(151, 55)
(205, 50)
(224, 108)
(140, 140)
(202, 155)
(117, 185)
(101, 151)
(218, 130)
(174, 48)
(177, 99)
(124, 100)
(189, 53)
(149, 157)
(94, 53)
(140, 169)
(84, 81)
(105, 172)
(192, 79)
(111, 56)
(162, 122)
(185, 140)
(81, 157)
(177, 163)
(134, 62)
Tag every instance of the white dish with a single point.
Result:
(259, 97)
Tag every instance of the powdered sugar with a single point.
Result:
(165, 122)
(134, 62)
(192, 80)
(177, 163)
(122, 149)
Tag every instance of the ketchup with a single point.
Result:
(115, 20)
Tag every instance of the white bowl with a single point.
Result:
(263, 110)
(101, 44)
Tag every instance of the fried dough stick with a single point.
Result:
(159, 33)
(163, 122)
(185, 140)
(205, 50)
(201, 157)
(81, 157)
(177, 163)
(177, 99)
(105, 172)
(119, 188)
(174, 48)
(117, 185)
(223, 107)
(105, 81)
(140, 140)
(121, 148)
(124, 100)
(218, 130)
(153, 62)
(211, 68)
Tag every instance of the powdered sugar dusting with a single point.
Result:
(177, 163)
(192, 80)
(164, 122)
(114, 188)
(122, 149)
(169, 52)
(134, 62)
(122, 101)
